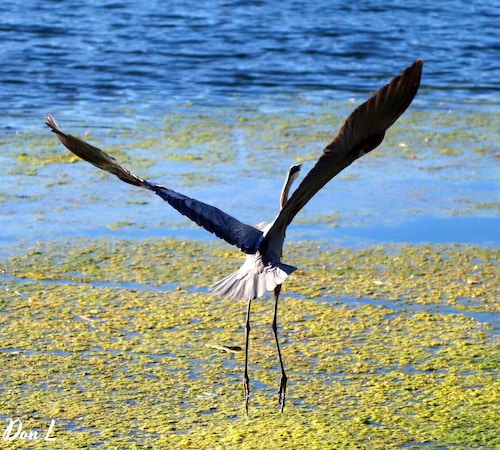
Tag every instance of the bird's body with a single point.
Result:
(260, 272)
(263, 269)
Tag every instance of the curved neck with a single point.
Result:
(284, 192)
(291, 176)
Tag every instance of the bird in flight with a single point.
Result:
(263, 271)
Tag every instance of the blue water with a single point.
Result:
(88, 62)
(92, 56)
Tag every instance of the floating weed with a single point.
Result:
(451, 151)
(385, 347)
(252, 137)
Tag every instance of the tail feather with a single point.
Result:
(252, 282)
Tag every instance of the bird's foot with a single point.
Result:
(282, 391)
(246, 392)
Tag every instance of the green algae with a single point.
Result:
(385, 347)
(218, 136)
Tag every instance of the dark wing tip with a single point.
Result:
(419, 62)
(363, 131)
(368, 123)
(413, 74)
(411, 77)
(413, 71)
(93, 155)
(52, 124)
(403, 88)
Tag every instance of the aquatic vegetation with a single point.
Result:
(199, 147)
(386, 347)
(119, 340)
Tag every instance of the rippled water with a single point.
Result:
(91, 56)
(92, 62)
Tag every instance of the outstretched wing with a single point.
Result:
(363, 131)
(245, 237)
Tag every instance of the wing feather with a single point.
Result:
(245, 237)
(363, 131)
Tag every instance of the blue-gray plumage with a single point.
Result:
(263, 270)
(224, 226)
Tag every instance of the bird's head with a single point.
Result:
(293, 172)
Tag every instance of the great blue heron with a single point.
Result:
(263, 270)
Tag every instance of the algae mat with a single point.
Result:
(113, 344)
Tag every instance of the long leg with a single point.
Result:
(246, 387)
(283, 379)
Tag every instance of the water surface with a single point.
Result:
(126, 71)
